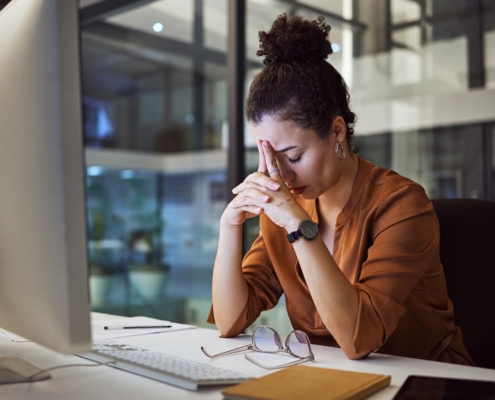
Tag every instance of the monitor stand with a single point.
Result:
(16, 370)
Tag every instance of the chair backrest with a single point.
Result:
(467, 252)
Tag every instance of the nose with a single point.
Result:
(286, 172)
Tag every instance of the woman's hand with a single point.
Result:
(256, 193)
(252, 194)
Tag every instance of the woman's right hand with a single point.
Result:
(251, 194)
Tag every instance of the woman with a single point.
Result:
(354, 247)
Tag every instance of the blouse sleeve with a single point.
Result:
(264, 289)
(405, 241)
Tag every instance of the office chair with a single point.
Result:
(467, 252)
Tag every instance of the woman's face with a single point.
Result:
(307, 163)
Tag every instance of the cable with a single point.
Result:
(70, 365)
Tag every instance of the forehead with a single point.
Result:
(280, 133)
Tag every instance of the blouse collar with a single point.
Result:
(364, 170)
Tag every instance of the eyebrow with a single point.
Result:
(286, 149)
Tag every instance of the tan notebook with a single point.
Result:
(301, 382)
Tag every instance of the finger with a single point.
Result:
(252, 210)
(271, 161)
(257, 180)
(251, 196)
(262, 164)
(270, 184)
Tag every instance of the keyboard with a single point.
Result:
(161, 367)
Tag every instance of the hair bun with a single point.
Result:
(295, 39)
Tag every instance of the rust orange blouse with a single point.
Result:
(387, 245)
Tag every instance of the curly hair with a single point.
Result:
(296, 83)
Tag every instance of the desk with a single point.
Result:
(109, 383)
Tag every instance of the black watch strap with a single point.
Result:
(293, 236)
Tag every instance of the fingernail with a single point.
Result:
(265, 198)
(276, 185)
(266, 144)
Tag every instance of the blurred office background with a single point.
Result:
(159, 80)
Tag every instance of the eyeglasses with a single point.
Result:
(267, 340)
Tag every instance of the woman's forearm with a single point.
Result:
(335, 298)
(230, 292)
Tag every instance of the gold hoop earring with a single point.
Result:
(339, 151)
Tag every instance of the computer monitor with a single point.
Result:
(44, 293)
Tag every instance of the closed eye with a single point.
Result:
(294, 161)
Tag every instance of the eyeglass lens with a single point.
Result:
(298, 344)
(267, 339)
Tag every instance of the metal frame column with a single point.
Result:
(236, 67)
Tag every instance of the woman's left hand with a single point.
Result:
(281, 207)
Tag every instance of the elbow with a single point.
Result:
(227, 331)
(353, 355)
(352, 352)
(223, 332)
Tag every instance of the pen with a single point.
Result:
(138, 327)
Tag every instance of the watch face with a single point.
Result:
(308, 229)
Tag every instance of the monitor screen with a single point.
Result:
(43, 258)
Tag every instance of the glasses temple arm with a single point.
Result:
(228, 352)
(302, 360)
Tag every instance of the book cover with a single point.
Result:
(303, 382)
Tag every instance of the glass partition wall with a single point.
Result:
(156, 120)
(154, 88)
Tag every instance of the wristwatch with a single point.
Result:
(307, 230)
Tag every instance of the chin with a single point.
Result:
(308, 195)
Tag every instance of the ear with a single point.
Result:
(339, 129)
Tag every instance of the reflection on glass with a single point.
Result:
(124, 233)
(155, 102)
(149, 91)
(405, 11)
(331, 6)
(376, 148)
(172, 19)
(152, 239)
(433, 158)
(215, 24)
(215, 106)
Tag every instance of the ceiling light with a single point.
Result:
(94, 171)
(157, 27)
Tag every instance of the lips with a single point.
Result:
(298, 191)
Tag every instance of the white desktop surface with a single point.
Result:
(109, 383)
